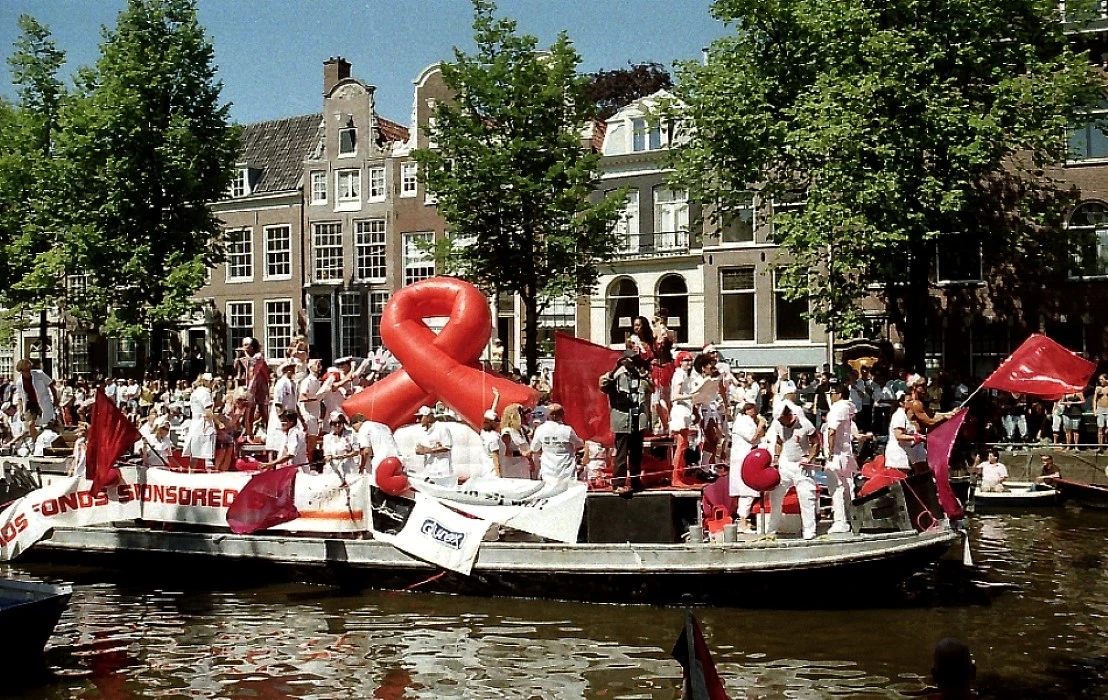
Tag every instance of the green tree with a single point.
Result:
(147, 147)
(897, 121)
(29, 193)
(511, 175)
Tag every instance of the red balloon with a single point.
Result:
(390, 476)
(437, 367)
(758, 472)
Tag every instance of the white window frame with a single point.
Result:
(370, 250)
(376, 191)
(354, 140)
(273, 254)
(348, 189)
(327, 237)
(672, 205)
(7, 362)
(377, 301)
(277, 342)
(654, 134)
(416, 261)
(352, 323)
(752, 291)
(240, 182)
(240, 255)
(628, 227)
(246, 311)
(409, 178)
(1100, 12)
(318, 179)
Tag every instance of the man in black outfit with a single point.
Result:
(628, 388)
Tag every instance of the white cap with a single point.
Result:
(780, 407)
(207, 377)
(490, 415)
(286, 364)
(899, 394)
(788, 386)
(344, 360)
(247, 341)
(914, 379)
(161, 423)
(425, 411)
(336, 415)
(709, 348)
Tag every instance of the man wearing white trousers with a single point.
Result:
(841, 464)
(793, 441)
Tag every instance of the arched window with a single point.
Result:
(623, 307)
(673, 296)
(1088, 240)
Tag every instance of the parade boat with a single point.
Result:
(29, 611)
(1083, 494)
(1015, 495)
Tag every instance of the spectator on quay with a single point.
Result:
(146, 397)
(1073, 407)
(67, 408)
(1100, 406)
(1013, 416)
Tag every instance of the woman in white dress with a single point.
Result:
(284, 400)
(681, 416)
(200, 439)
(747, 432)
(905, 446)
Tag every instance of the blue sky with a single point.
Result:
(270, 53)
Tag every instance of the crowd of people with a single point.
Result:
(710, 415)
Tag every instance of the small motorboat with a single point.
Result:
(29, 611)
(1085, 495)
(1016, 494)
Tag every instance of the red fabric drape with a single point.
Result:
(268, 499)
(578, 365)
(110, 434)
(1042, 367)
(940, 443)
(702, 682)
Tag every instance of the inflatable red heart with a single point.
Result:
(390, 476)
(758, 472)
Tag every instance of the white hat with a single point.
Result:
(247, 341)
(336, 416)
(285, 365)
(6, 406)
(161, 423)
(490, 415)
(780, 407)
(788, 386)
(207, 377)
(538, 413)
(344, 360)
(709, 348)
(899, 394)
(425, 411)
(914, 379)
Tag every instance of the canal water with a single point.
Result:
(1033, 611)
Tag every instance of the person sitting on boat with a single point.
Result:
(341, 451)
(78, 461)
(993, 474)
(376, 441)
(157, 449)
(747, 432)
(47, 437)
(200, 439)
(1049, 471)
(841, 464)
(434, 443)
(557, 445)
(794, 444)
(293, 449)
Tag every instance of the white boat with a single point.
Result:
(1016, 494)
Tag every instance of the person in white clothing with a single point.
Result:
(841, 465)
(35, 396)
(992, 472)
(376, 441)
(283, 400)
(557, 445)
(493, 448)
(793, 443)
(46, 438)
(310, 393)
(516, 462)
(293, 449)
(156, 451)
(341, 452)
(434, 443)
(200, 439)
(747, 432)
(78, 462)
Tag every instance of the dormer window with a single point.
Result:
(240, 183)
(348, 141)
(645, 135)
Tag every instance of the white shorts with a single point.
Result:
(680, 417)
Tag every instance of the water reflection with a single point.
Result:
(1033, 612)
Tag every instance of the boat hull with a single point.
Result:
(749, 573)
(29, 612)
(1018, 496)
(1086, 495)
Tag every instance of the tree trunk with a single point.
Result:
(531, 332)
(43, 342)
(151, 358)
(917, 296)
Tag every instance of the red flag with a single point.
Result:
(701, 680)
(110, 434)
(578, 366)
(1042, 367)
(940, 443)
(268, 499)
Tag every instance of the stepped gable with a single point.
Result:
(277, 150)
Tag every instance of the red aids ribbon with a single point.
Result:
(436, 367)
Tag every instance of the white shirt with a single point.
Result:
(295, 444)
(436, 465)
(344, 443)
(795, 439)
(378, 438)
(157, 452)
(840, 418)
(557, 444)
(491, 444)
(284, 394)
(45, 439)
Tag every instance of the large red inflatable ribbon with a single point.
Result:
(757, 472)
(436, 367)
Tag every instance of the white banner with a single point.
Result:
(327, 505)
(436, 534)
(553, 511)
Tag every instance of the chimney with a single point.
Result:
(335, 69)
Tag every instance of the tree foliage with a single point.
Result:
(899, 121)
(511, 175)
(146, 147)
(612, 90)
